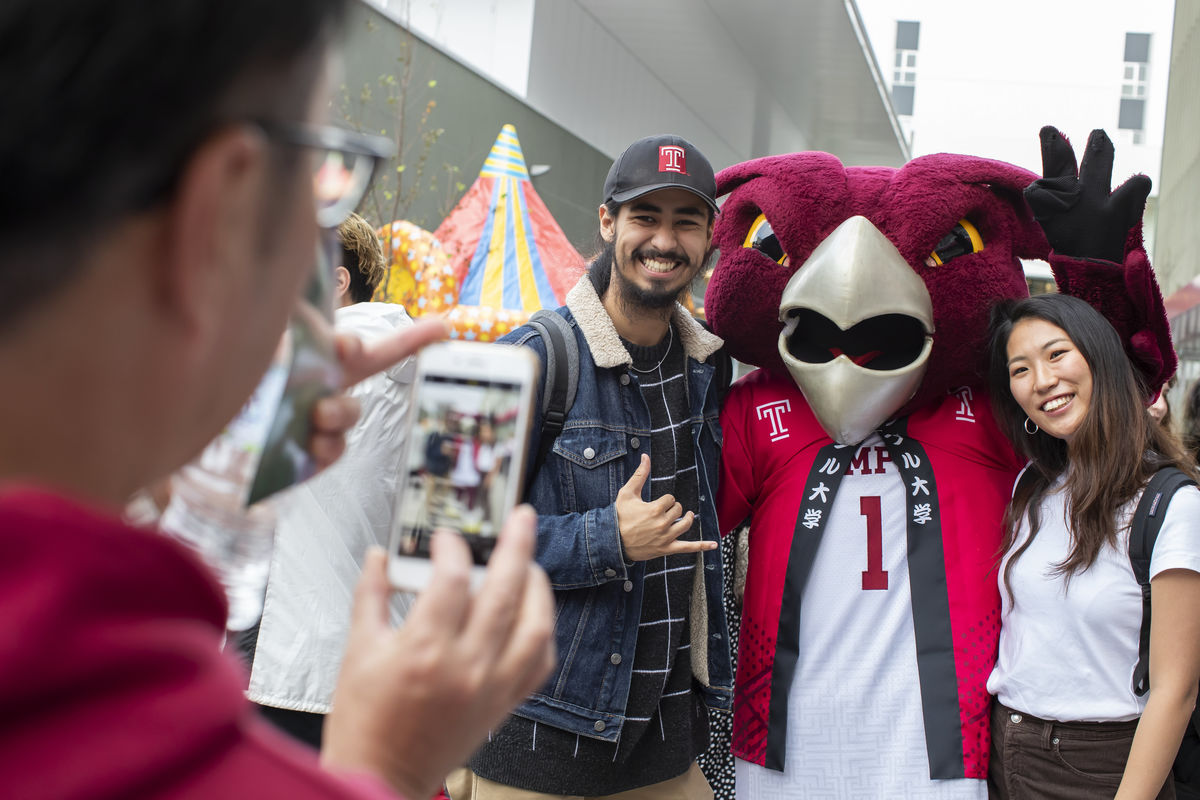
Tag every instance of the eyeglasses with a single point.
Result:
(344, 166)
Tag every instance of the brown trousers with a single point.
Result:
(466, 785)
(1037, 759)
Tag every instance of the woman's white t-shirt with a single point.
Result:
(1068, 649)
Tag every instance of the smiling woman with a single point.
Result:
(1067, 706)
(1049, 377)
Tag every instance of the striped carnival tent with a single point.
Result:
(508, 255)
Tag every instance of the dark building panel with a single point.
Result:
(451, 119)
(908, 34)
(1133, 112)
(1137, 48)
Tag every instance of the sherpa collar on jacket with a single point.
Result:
(605, 343)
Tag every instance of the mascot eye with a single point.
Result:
(963, 239)
(763, 239)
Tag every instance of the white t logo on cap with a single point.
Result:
(671, 158)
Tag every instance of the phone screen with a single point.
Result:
(459, 473)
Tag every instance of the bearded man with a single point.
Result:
(625, 498)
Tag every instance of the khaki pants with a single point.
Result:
(462, 784)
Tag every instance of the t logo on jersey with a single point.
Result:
(671, 158)
(774, 412)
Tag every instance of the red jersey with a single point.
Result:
(771, 440)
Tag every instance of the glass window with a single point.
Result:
(902, 99)
(908, 35)
(1137, 47)
(1132, 114)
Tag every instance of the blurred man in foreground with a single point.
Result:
(158, 220)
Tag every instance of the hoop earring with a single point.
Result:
(1035, 427)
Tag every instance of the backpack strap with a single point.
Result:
(724, 367)
(1143, 532)
(561, 380)
(723, 375)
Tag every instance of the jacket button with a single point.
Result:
(624, 382)
(615, 658)
(635, 443)
(589, 453)
(599, 726)
(1015, 717)
(610, 573)
(628, 586)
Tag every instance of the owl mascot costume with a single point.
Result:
(863, 451)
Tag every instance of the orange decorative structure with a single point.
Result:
(509, 256)
(419, 276)
(484, 324)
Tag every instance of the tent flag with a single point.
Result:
(507, 251)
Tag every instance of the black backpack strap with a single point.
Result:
(1143, 532)
(562, 378)
(721, 359)
(724, 373)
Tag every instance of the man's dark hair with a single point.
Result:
(600, 267)
(104, 101)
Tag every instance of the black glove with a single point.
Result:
(1079, 216)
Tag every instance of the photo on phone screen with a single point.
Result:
(466, 450)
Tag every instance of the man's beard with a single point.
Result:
(633, 297)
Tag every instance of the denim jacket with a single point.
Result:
(598, 593)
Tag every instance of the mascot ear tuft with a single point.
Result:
(1006, 181)
(731, 178)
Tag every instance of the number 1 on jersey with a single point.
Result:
(874, 577)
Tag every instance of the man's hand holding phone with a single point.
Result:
(652, 529)
(413, 703)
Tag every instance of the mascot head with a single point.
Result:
(870, 286)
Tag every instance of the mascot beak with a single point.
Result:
(858, 330)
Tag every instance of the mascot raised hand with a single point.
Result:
(864, 452)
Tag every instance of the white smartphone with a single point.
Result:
(465, 454)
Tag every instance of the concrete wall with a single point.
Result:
(1177, 247)
(470, 110)
(596, 84)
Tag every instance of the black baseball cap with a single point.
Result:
(660, 162)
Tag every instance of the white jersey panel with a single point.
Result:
(855, 726)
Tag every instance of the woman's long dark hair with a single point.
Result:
(1115, 451)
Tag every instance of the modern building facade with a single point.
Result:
(1177, 251)
(968, 80)
(740, 79)
(1177, 248)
